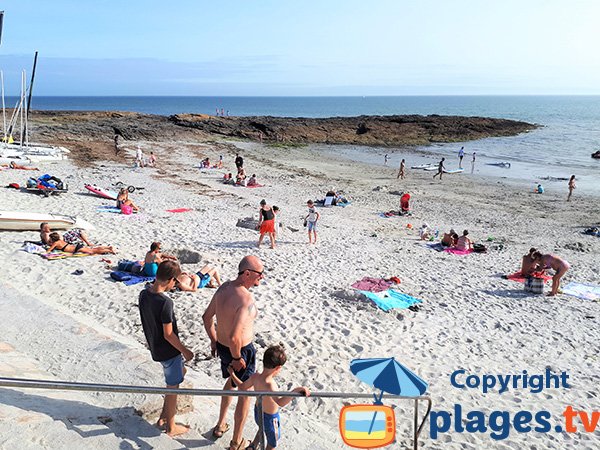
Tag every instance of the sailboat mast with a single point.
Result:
(21, 105)
(28, 107)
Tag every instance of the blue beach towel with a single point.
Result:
(108, 209)
(131, 278)
(391, 299)
(583, 291)
(437, 246)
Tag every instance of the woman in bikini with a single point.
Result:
(559, 265)
(529, 264)
(153, 258)
(463, 242)
(123, 199)
(56, 243)
(191, 282)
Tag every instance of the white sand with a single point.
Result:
(471, 318)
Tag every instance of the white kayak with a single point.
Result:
(425, 166)
(25, 221)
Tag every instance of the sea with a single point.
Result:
(568, 132)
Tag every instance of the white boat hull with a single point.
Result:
(23, 221)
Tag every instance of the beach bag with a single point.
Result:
(534, 285)
(120, 276)
(126, 265)
(126, 209)
(479, 248)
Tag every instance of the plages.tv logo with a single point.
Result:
(374, 426)
(498, 424)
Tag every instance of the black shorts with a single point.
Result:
(248, 354)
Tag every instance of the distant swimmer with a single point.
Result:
(461, 155)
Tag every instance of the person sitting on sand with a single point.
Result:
(228, 178)
(463, 242)
(14, 165)
(252, 181)
(273, 360)
(529, 265)
(56, 243)
(450, 239)
(123, 199)
(152, 160)
(539, 189)
(425, 232)
(153, 258)
(241, 176)
(191, 282)
(559, 265)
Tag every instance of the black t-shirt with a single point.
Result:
(239, 161)
(155, 310)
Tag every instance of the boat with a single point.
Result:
(104, 193)
(26, 221)
(505, 165)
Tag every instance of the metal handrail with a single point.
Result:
(131, 389)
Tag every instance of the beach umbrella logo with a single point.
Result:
(372, 426)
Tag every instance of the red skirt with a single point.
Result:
(268, 226)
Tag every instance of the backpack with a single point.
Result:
(479, 248)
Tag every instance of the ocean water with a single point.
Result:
(569, 132)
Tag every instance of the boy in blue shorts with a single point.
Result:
(160, 329)
(273, 361)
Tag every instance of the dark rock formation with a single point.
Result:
(363, 130)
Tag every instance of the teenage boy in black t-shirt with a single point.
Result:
(160, 329)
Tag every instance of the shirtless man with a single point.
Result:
(402, 169)
(233, 306)
(441, 169)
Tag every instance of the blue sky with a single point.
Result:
(268, 47)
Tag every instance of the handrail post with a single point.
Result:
(261, 423)
(415, 426)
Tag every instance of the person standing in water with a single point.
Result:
(461, 155)
(571, 187)
(402, 169)
(473, 163)
(385, 159)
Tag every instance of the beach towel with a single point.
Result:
(108, 209)
(30, 247)
(53, 256)
(372, 284)
(129, 278)
(391, 299)
(583, 291)
(456, 251)
(179, 210)
(437, 246)
(518, 276)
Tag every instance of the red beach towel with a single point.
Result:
(179, 210)
(518, 276)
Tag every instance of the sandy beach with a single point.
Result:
(471, 318)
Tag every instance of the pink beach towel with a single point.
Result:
(256, 185)
(456, 251)
(372, 284)
(179, 210)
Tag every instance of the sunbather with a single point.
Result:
(205, 277)
(57, 243)
(153, 258)
(123, 199)
(559, 265)
(14, 165)
(463, 242)
(450, 239)
(529, 264)
(252, 181)
(73, 236)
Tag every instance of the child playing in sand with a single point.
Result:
(277, 222)
(311, 222)
(273, 361)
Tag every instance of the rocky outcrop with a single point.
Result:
(362, 130)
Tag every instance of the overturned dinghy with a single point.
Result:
(26, 221)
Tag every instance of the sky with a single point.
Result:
(313, 47)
